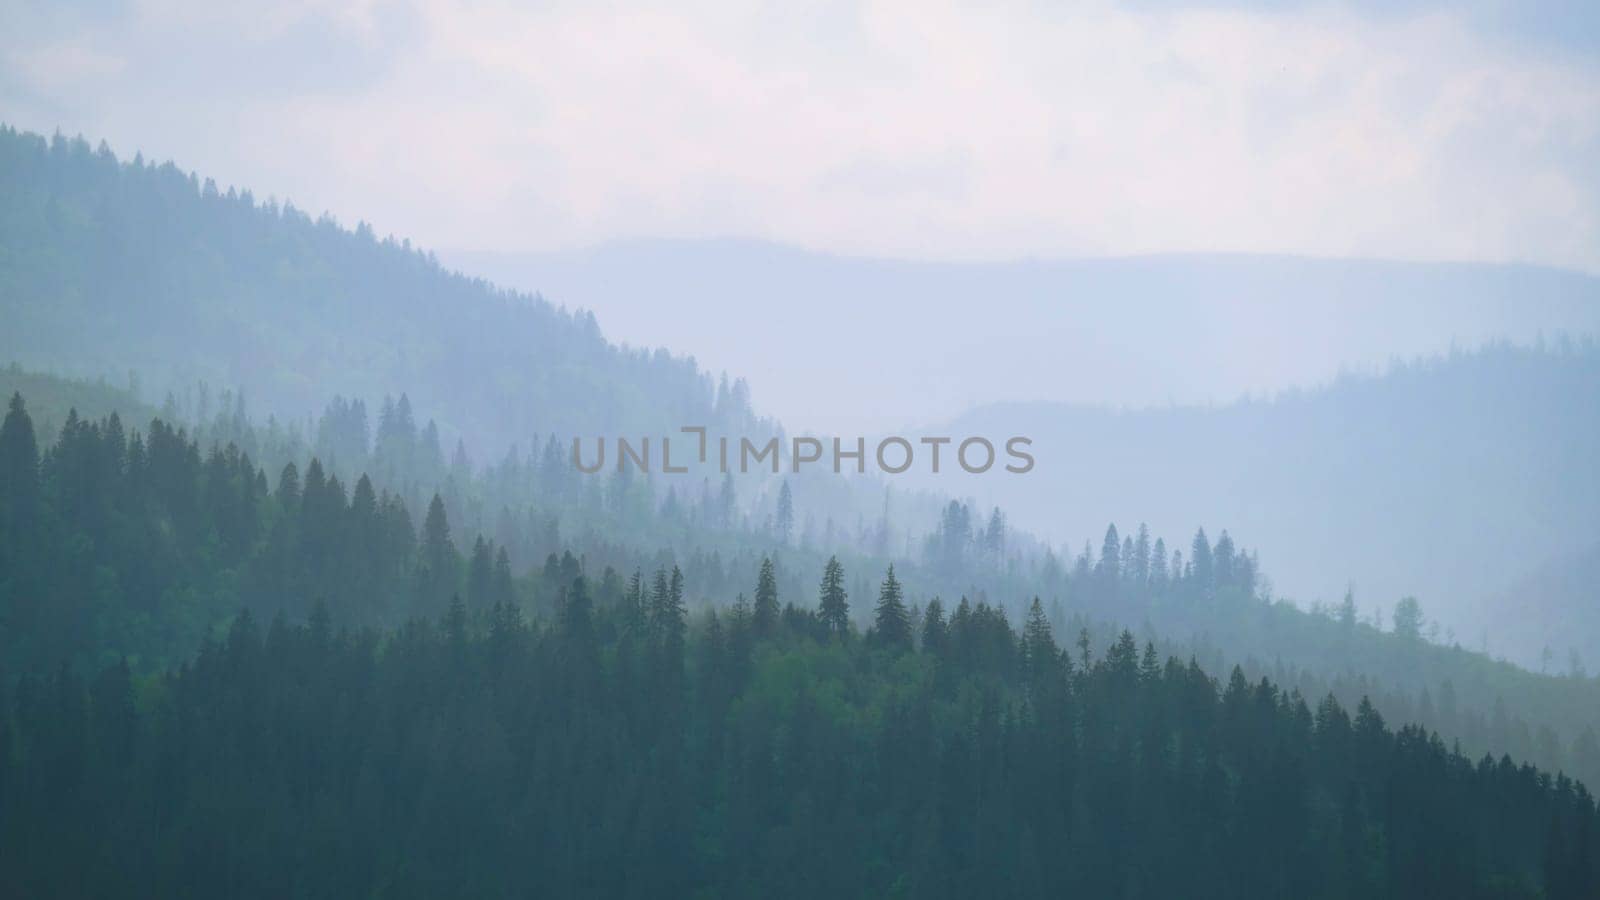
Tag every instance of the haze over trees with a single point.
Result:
(401, 646)
(138, 545)
(115, 265)
(1453, 480)
(615, 752)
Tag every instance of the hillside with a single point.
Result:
(111, 266)
(624, 751)
(149, 569)
(1446, 479)
(51, 399)
(1564, 589)
(934, 339)
(136, 543)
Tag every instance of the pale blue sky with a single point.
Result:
(930, 131)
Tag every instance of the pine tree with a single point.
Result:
(1110, 565)
(935, 632)
(19, 467)
(288, 494)
(1040, 656)
(1158, 566)
(668, 615)
(577, 614)
(892, 624)
(834, 609)
(438, 570)
(678, 620)
(658, 606)
(995, 536)
(1223, 561)
(1149, 664)
(1139, 562)
(766, 611)
(633, 615)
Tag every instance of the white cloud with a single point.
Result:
(926, 129)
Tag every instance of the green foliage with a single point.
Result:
(833, 608)
(766, 608)
(891, 626)
(126, 266)
(515, 759)
(142, 543)
(1408, 619)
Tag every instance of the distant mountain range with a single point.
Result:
(1465, 480)
(1461, 480)
(848, 344)
(1453, 479)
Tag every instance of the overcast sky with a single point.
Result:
(918, 130)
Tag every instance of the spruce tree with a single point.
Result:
(633, 615)
(437, 573)
(834, 609)
(577, 614)
(766, 611)
(1111, 556)
(19, 461)
(658, 605)
(1139, 563)
(480, 576)
(935, 633)
(1158, 565)
(892, 624)
(1200, 563)
(1040, 655)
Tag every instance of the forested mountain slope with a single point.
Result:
(137, 543)
(108, 267)
(147, 536)
(618, 751)
(51, 399)
(1447, 479)
(1126, 332)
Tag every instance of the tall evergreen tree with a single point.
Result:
(1158, 566)
(437, 576)
(480, 576)
(766, 608)
(833, 608)
(1139, 561)
(577, 614)
(1110, 565)
(19, 466)
(1040, 655)
(891, 624)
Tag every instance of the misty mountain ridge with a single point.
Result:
(290, 311)
(1433, 479)
(116, 266)
(934, 339)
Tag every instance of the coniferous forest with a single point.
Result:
(625, 751)
(332, 645)
(617, 745)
